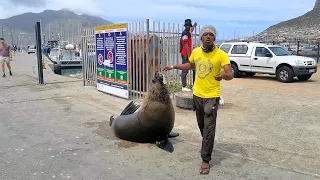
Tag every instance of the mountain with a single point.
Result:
(62, 24)
(303, 27)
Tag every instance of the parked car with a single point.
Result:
(31, 49)
(251, 58)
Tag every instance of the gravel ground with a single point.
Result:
(265, 130)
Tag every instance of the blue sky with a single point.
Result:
(231, 17)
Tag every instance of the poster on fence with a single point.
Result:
(112, 59)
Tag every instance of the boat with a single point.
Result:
(54, 54)
(65, 56)
(49, 46)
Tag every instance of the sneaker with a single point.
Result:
(10, 73)
(221, 101)
(186, 89)
(4, 75)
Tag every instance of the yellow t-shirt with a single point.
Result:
(208, 65)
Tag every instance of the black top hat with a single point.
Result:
(188, 22)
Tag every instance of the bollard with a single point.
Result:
(43, 64)
(298, 45)
(39, 53)
(318, 52)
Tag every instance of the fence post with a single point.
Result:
(318, 54)
(39, 52)
(84, 55)
(298, 45)
(147, 54)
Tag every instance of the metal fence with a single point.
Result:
(89, 64)
(151, 46)
(303, 48)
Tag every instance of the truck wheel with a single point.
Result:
(250, 74)
(235, 70)
(304, 77)
(285, 74)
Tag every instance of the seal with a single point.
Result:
(153, 122)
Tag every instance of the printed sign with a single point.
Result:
(112, 59)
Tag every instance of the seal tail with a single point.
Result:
(130, 108)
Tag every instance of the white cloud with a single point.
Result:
(259, 4)
(223, 13)
(177, 9)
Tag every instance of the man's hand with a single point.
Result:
(167, 68)
(194, 26)
(219, 77)
(226, 75)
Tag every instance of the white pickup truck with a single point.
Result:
(251, 58)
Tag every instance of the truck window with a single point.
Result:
(226, 47)
(261, 52)
(239, 49)
(280, 51)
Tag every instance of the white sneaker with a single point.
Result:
(186, 89)
(221, 101)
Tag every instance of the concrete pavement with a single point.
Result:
(60, 131)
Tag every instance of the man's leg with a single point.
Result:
(198, 106)
(193, 76)
(9, 66)
(184, 72)
(210, 115)
(2, 67)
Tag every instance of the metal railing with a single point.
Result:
(89, 64)
(151, 46)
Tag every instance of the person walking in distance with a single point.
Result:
(208, 60)
(185, 50)
(5, 56)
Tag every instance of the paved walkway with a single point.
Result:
(60, 131)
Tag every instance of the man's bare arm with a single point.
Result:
(227, 75)
(186, 66)
(192, 28)
(185, 44)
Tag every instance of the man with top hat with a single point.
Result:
(208, 60)
(186, 49)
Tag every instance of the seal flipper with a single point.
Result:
(165, 145)
(130, 108)
(173, 134)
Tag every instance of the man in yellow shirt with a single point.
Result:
(208, 61)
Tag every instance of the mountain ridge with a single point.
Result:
(55, 23)
(306, 26)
